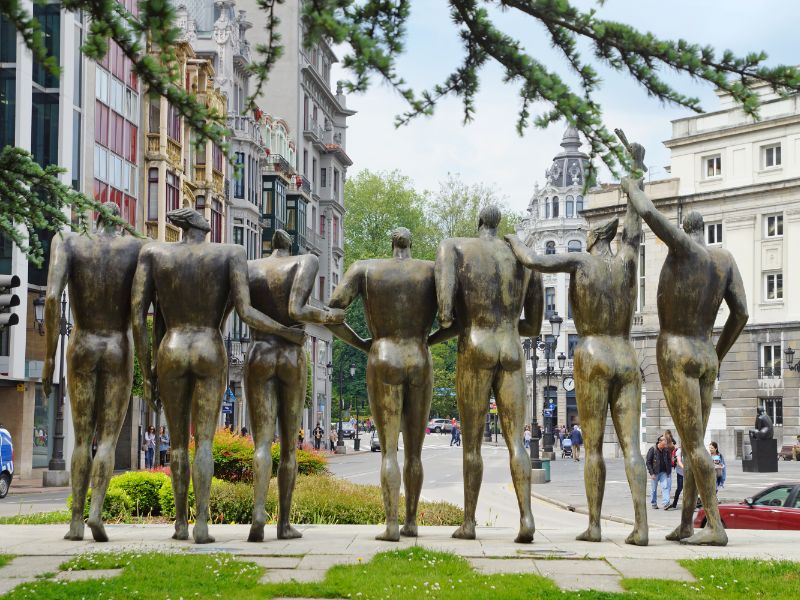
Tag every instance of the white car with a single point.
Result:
(440, 426)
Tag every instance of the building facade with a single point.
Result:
(743, 176)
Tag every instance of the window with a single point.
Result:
(714, 233)
(335, 183)
(173, 123)
(238, 176)
(771, 156)
(8, 95)
(773, 406)
(216, 221)
(641, 269)
(713, 166)
(152, 195)
(323, 177)
(572, 343)
(550, 247)
(322, 353)
(549, 302)
(547, 208)
(574, 246)
(773, 225)
(238, 235)
(173, 192)
(549, 347)
(44, 127)
(8, 42)
(322, 226)
(155, 114)
(305, 163)
(773, 286)
(335, 230)
(322, 289)
(216, 158)
(570, 207)
(555, 206)
(578, 205)
(49, 18)
(770, 356)
(314, 174)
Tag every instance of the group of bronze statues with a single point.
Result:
(484, 290)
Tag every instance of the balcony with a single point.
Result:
(174, 152)
(313, 243)
(171, 233)
(769, 372)
(299, 184)
(153, 143)
(245, 127)
(279, 164)
(638, 320)
(200, 174)
(218, 180)
(314, 132)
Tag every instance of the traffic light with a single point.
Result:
(7, 300)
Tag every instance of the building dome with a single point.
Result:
(570, 165)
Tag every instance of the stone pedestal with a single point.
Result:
(764, 458)
(341, 449)
(540, 476)
(55, 478)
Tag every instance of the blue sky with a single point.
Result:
(489, 150)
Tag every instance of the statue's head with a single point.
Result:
(693, 223)
(188, 218)
(401, 238)
(760, 410)
(281, 240)
(112, 210)
(489, 217)
(602, 233)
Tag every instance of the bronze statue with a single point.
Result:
(275, 372)
(399, 297)
(763, 430)
(481, 285)
(192, 281)
(694, 280)
(99, 269)
(603, 296)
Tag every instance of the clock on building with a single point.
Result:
(568, 383)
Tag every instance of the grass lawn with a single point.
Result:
(403, 574)
(5, 559)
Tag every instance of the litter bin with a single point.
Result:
(546, 468)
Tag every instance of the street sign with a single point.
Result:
(492, 407)
(229, 397)
(551, 407)
(548, 412)
(227, 408)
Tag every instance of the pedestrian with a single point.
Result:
(301, 435)
(720, 468)
(149, 447)
(457, 429)
(796, 449)
(244, 432)
(318, 431)
(677, 464)
(332, 439)
(527, 436)
(453, 431)
(577, 439)
(163, 446)
(659, 466)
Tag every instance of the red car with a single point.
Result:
(777, 507)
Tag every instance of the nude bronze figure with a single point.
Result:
(693, 282)
(480, 283)
(602, 293)
(192, 281)
(99, 270)
(275, 372)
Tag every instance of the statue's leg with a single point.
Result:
(386, 401)
(510, 394)
(291, 398)
(473, 385)
(262, 407)
(416, 408)
(175, 391)
(81, 385)
(206, 403)
(114, 384)
(626, 413)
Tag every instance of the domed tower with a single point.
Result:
(553, 225)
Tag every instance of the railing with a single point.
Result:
(200, 173)
(279, 163)
(172, 233)
(153, 142)
(314, 130)
(313, 239)
(151, 228)
(244, 126)
(218, 180)
(300, 183)
(638, 320)
(174, 151)
(769, 372)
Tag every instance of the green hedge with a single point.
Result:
(117, 505)
(143, 488)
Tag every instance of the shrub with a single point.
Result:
(309, 462)
(143, 488)
(116, 505)
(230, 502)
(166, 500)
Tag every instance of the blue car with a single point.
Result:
(6, 462)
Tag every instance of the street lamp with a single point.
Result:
(340, 434)
(38, 313)
(555, 329)
(789, 352)
(237, 359)
(531, 346)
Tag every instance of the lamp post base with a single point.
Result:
(55, 478)
(540, 476)
(341, 449)
(547, 455)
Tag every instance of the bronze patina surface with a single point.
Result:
(99, 270)
(399, 297)
(602, 294)
(693, 283)
(192, 281)
(481, 286)
(275, 372)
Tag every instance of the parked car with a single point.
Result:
(374, 442)
(777, 507)
(6, 462)
(348, 431)
(439, 426)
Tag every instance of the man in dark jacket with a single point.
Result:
(577, 440)
(659, 466)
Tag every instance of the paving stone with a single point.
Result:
(574, 567)
(298, 575)
(631, 568)
(273, 562)
(88, 574)
(577, 581)
(26, 568)
(492, 566)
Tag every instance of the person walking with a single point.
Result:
(720, 468)
(677, 463)
(332, 439)
(301, 435)
(318, 431)
(149, 447)
(527, 436)
(163, 446)
(576, 438)
(453, 432)
(659, 466)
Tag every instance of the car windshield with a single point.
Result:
(774, 497)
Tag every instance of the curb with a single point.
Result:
(580, 509)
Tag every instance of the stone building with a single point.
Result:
(743, 176)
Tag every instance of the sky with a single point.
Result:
(488, 150)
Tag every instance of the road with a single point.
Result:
(24, 502)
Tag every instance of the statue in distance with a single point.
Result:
(764, 429)
(190, 360)
(602, 293)
(399, 297)
(481, 285)
(275, 372)
(694, 281)
(99, 270)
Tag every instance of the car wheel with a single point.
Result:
(438, 430)
(5, 482)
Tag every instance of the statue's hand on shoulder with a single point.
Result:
(47, 376)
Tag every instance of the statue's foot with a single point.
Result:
(287, 532)
(638, 537)
(526, 530)
(592, 534)
(390, 534)
(98, 530)
(409, 530)
(465, 532)
(707, 537)
(75, 532)
(200, 534)
(181, 531)
(256, 533)
(681, 532)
